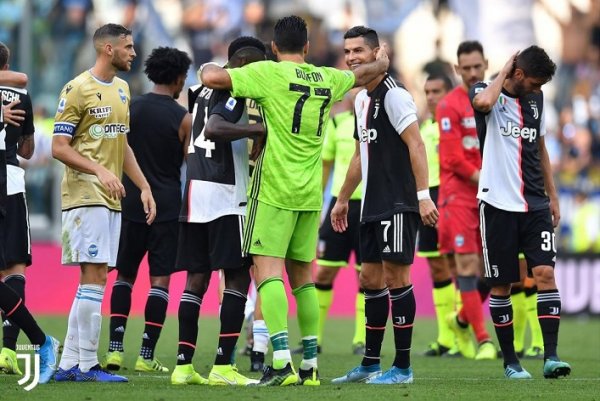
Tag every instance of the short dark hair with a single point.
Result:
(4, 55)
(442, 77)
(245, 42)
(290, 34)
(535, 62)
(111, 30)
(369, 34)
(165, 64)
(469, 46)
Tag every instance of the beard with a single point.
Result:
(121, 65)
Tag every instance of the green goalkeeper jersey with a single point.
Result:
(296, 100)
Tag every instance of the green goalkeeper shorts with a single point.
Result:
(288, 234)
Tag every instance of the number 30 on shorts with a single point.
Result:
(548, 241)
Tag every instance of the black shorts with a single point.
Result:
(393, 239)
(17, 238)
(505, 234)
(158, 239)
(334, 248)
(206, 247)
(2, 235)
(428, 236)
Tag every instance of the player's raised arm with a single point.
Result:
(367, 72)
(215, 77)
(485, 100)
(13, 78)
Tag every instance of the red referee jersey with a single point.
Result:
(459, 149)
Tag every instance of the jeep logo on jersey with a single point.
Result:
(368, 135)
(515, 131)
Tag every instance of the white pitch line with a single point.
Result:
(442, 378)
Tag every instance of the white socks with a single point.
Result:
(83, 332)
(89, 319)
(70, 354)
(261, 336)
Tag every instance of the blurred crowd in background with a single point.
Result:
(51, 41)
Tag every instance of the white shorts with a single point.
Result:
(90, 235)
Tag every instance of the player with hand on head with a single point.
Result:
(518, 201)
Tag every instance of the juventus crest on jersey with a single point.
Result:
(511, 176)
(217, 172)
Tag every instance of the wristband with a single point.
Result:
(424, 194)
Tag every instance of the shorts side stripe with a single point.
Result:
(252, 206)
(241, 229)
(395, 223)
(400, 231)
(486, 258)
(28, 226)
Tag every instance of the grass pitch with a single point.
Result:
(435, 378)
